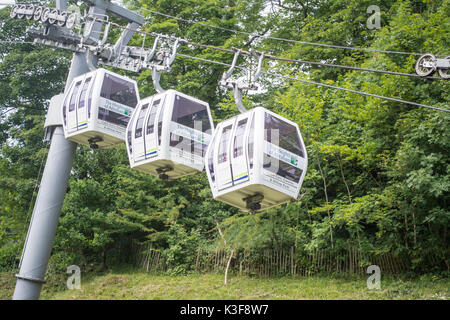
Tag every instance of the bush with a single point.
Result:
(56, 275)
(182, 251)
(10, 257)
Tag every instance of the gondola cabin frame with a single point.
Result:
(246, 170)
(97, 108)
(157, 131)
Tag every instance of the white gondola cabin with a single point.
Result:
(168, 135)
(97, 108)
(256, 160)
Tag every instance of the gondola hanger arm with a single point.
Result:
(105, 34)
(173, 55)
(236, 85)
(258, 72)
(164, 66)
(151, 55)
(227, 74)
(237, 93)
(90, 60)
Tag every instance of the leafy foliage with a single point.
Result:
(378, 175)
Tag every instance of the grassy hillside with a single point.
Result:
(133, 284)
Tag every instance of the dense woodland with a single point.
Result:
(379, 172)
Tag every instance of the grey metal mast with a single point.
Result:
(44, 221)
(42, 229)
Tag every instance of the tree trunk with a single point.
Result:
(326, 199)
(228, 266)
(343, 178)
(414, 227)
(103, 266)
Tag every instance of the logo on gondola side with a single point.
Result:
(190, 133)
(281, 154)
(294, 161)
(116, 107)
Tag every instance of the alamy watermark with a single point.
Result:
(74, 281)
(374, 21)
(374, 281)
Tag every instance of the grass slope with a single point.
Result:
(136, 284)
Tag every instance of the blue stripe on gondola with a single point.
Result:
(241, 178)
(147, 154)
(79, 126)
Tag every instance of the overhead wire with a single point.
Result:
(325, 45)
(358, 92)
(6, 111)
(181, 40)
(323, 84)
(17, 42)
(289, 77)
(18, 107)
(279, 38)
(321, 64)
(283, 76)
(272, 57)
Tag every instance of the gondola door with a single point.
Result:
(138, 137)
(72, 121)
(239, 164)
(222, 155)
(65, 105)
(81, 109)
(151, 138)
(89, 97)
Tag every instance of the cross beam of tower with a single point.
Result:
(88, 34)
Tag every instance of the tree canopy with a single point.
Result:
(379, 171)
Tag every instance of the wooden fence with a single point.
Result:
(279, 262)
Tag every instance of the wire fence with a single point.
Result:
(290, 261)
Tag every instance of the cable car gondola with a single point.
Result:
(168, 135)
(256, 160)
(97, 108)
